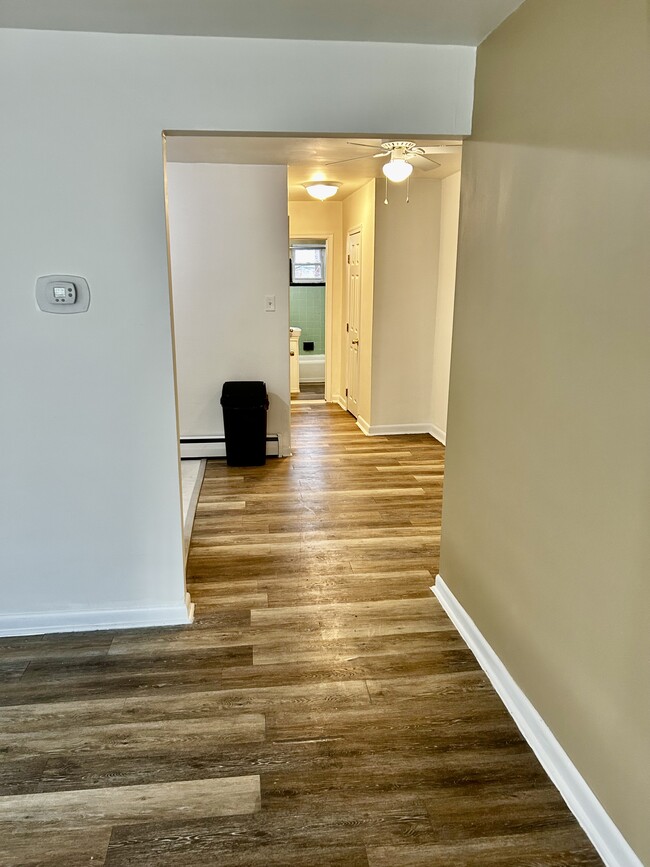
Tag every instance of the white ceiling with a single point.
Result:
(307, 158)
(442, 22)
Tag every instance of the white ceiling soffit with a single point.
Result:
(436, 22)
(307, 158)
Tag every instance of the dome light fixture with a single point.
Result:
(397, 169)
(322, 190)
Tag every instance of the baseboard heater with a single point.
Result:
(215, 447)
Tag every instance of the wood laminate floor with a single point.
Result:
(310, 391)
(321, 711)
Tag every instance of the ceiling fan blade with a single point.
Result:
(350, 160)
(423, 162)
(443, 149)
(360, 144)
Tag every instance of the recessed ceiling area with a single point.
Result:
(435, 22)
(308, 159)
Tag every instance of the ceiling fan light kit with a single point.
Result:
(401, 158)
(397, 169)
(322, 190)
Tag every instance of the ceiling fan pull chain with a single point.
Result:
(386, 196)
(408, 189)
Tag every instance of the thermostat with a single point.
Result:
(62, 293)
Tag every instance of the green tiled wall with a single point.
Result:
(307, 306)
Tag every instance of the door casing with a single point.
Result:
(354, 316)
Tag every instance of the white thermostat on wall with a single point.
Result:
(62, 293)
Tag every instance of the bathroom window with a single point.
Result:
(307, 264)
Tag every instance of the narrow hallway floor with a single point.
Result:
(321, 711)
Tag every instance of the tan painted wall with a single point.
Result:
(407, 244)
(449, 206)
(319, 220)
(359, 211)
(546, 538)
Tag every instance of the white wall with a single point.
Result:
(228, 235)
(407, 241)
(92, 516)
(449, 208)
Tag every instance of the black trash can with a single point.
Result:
(245, 405)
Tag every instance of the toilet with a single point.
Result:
(294, 359)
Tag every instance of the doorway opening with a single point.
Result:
(371, 348)
(308, 263)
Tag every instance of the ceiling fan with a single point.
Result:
(403, 156)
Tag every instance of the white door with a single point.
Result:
(354, 314)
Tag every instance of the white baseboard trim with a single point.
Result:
(188, 523)
(89, 621)
(283, 447)
(438, 434)
(383, 430)
(363, 425)
(601, 830)
(336, 398)
(215, 447)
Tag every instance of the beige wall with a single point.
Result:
(449, 206)
(407, 242)
(359, 212)
(547, 495)
(324, 220)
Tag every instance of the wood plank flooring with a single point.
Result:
(321, 711)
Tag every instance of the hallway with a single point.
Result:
(321, 711)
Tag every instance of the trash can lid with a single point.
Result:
(244, 393)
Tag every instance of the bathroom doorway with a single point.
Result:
(308, 317)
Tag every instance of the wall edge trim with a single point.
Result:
(188, 523)
(378, 430)
(438, 434)
(363, 425)
(89, 621)
(606, 838)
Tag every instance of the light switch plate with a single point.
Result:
(77, 300)
(269, 303)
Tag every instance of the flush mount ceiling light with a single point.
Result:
(322, 189)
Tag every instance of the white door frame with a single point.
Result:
(355, 230)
